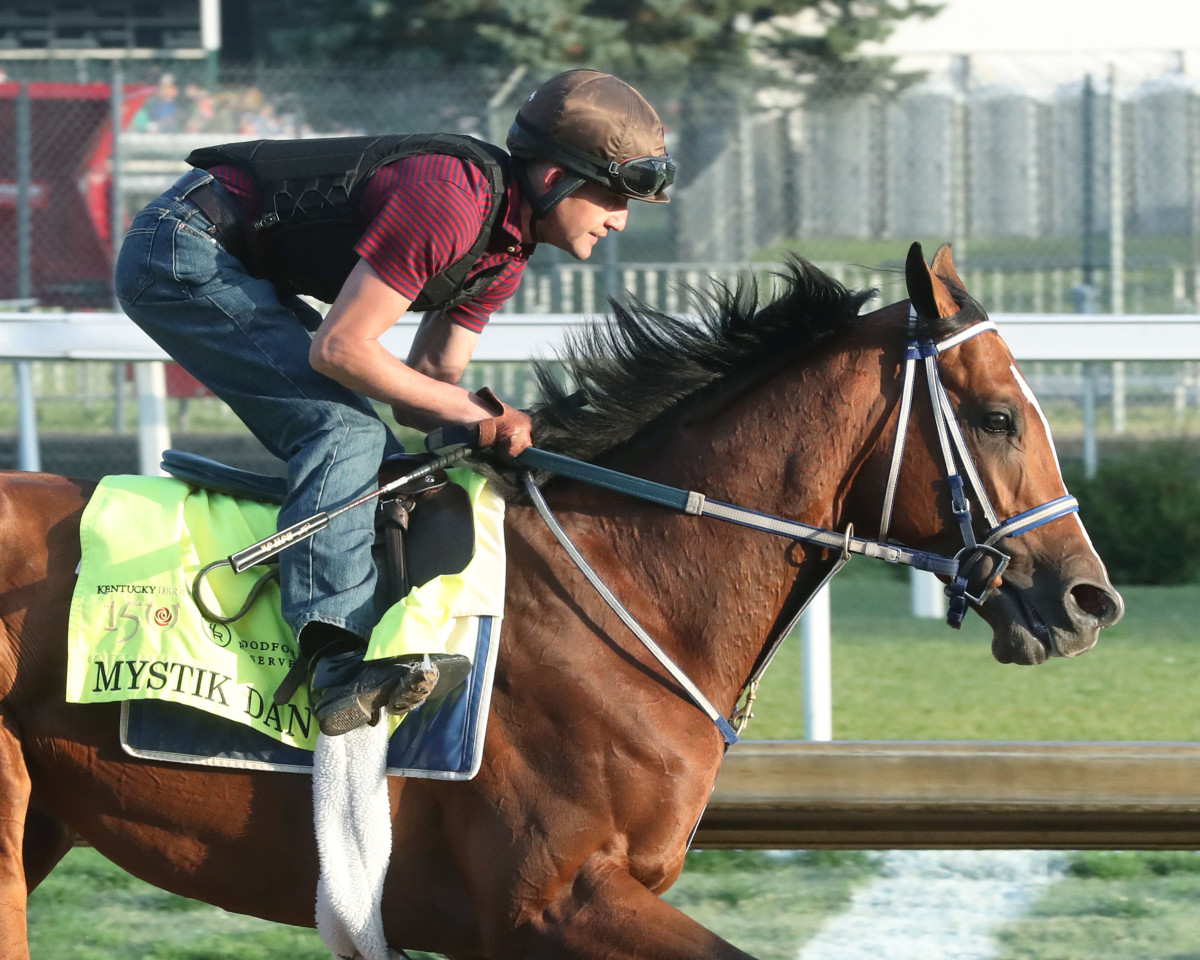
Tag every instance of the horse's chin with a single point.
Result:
(1019, 634)
(1016, 644)
(1024, 633)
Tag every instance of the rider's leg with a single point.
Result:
(232, 332)
(347, 692)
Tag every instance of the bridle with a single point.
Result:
(955, 455)
(958, 464)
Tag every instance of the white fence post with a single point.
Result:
(29, 455)
(154, 435)
(817, 668)
(928, 595)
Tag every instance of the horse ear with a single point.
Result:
(928, 294)
(943, 266)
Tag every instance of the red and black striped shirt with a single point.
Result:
(423, 214)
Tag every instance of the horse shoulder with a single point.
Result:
(588, 736)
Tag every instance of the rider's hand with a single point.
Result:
(508, 430)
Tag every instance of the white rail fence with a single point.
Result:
(27, 337)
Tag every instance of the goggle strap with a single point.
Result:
(542, 203)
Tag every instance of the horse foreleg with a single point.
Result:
(14, 806)
(606, 913)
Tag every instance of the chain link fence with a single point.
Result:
(1057, 180)
(1064, 186)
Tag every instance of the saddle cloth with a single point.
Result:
(135, 635)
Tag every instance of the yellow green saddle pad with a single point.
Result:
(135, 633)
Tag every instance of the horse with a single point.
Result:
(596, 766)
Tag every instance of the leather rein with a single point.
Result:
(959, 470)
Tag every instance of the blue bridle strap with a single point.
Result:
(1031, 519)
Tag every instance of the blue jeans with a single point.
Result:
(234, 334)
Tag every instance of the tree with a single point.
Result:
(641, 36)
(820, 50)
(703, 63)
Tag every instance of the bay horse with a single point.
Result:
(596, 767)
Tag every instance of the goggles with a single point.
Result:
(642, 176)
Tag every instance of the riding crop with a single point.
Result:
(303, 529)
(259, 552)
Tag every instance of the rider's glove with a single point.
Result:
(508, 430)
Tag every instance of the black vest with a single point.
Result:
(303, 240)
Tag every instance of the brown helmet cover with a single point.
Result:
(594, 113)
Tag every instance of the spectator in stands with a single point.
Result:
(249, 109)
(161, 112)
(202, 109)
(213, 268)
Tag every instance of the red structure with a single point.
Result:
(71, 172)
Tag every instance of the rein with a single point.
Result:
(956, 568)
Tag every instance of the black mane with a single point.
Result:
(640, 363)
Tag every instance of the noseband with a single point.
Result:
(956, 568)
(955, 455)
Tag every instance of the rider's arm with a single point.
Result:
(417, 228)
(423, 393)
(442, 348)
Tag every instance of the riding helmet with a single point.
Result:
(598, 128)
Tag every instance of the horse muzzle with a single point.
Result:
(1034, 620)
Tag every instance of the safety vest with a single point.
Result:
(304, 236)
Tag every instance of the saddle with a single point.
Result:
(412, 546)
(142, 538)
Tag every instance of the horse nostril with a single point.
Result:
(1105, 606)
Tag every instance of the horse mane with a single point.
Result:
(639, 363)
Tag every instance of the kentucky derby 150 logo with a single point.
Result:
(131, 616)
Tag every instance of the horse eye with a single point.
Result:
(997, 421)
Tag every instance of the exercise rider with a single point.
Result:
(377, 226)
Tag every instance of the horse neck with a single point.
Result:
(790, 445)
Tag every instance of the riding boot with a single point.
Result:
(347, 692)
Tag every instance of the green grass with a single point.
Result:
(1113, 906)
(1028, 264)
(768, 903)
(1030, 251)
(899, 678)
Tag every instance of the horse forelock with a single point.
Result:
(640, 364)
